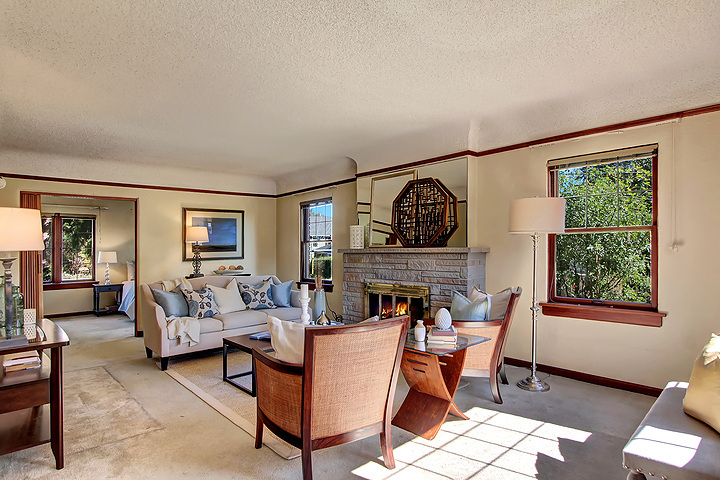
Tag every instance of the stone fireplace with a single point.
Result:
(438, 270)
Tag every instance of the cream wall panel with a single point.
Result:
(344, 199)
(688, 177)
(160, 225)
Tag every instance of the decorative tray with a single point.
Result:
(227, 272)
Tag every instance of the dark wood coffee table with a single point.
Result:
(245, 344)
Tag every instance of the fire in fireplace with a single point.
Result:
(391, 300)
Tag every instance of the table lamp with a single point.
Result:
(196, 236)
(107, 258)
(533, 216)
(21, 232)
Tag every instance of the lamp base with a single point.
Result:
(195, 275)
(533, 384)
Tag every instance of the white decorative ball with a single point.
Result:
(443, 320)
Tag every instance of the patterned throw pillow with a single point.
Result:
(201, 303)
(257, 297)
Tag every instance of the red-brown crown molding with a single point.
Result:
(556, 138)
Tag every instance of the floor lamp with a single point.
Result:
(21, 232)
(536, 216)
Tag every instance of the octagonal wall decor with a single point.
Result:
(424, 214)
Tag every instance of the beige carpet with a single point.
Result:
(202, 375)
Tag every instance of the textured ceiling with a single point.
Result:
(271, 87)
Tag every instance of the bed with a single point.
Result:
(127, 303)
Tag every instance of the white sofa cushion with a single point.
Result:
(287, 313)
(245, 318)
(228, 299)
(209, 325)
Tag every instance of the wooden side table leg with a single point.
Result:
(56, 407)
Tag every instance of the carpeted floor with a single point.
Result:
(125, 419)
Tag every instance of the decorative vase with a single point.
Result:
(357, 236)
(318, 304)
(420, 331)
(443, 320)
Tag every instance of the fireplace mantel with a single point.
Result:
(441, 269)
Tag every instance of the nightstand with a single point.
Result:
(100, 288)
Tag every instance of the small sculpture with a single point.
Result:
(443, 319)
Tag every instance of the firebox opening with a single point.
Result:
(388, 300)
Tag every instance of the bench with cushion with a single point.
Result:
(670, 444)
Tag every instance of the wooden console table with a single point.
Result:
(31, 401)
(433, 374)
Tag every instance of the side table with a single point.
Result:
(26, 419)
(98, 289)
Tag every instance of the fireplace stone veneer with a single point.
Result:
(441, 269)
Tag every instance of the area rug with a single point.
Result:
(202, 375)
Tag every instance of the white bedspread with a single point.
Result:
(127, 304)
(187, 329)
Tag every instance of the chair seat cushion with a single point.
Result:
(671, 443)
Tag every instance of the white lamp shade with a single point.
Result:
(107, 257)
(537, 215)
(20, 230)
(196, 234)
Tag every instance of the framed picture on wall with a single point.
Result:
(226, 232)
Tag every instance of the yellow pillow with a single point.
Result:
(702, 399)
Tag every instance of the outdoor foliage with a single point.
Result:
(76, 248)
(606, 264)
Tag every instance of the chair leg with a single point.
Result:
(148, 352)
(386, 446)
(307, 462)
(503, 378)
(258, 431)
(495, 388)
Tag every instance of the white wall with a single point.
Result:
(688, 178)
(288, 234)
(160, 224)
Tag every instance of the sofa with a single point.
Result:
(212, 329)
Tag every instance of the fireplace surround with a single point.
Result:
(439, 270)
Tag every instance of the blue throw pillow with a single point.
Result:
(464, 309)
(173, 302)
(280, 294)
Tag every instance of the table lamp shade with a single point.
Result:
(537, 215)
(107, 257)
(20, 230)
(196, 234)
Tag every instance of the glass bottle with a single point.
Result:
(18, 320)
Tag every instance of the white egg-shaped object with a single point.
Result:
(443, 320)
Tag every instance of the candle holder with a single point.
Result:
(305, 316)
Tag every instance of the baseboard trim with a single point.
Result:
(71, 314)
(588, 378)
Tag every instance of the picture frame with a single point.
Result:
(226, 230)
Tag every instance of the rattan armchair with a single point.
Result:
(488, 359)
(343, 392)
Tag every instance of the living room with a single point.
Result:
(61, 100)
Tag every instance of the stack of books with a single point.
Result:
(15, 362)
(440, 338)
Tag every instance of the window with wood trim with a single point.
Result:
(606, 260)
(316, 240)
(69, 255)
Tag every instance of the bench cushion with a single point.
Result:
(669, 442)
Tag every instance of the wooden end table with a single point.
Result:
(99, 288)
(24, 396)
(246, 344)
(433, 374)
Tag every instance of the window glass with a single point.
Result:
(317, 239)
(69, 256)
(606, 252)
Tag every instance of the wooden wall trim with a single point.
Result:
(588, 378)
(555, 138)
(133, 185)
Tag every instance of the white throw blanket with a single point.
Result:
(187, 329)
(169, 285)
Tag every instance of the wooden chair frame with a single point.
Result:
(305, 442)
(496, 368)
